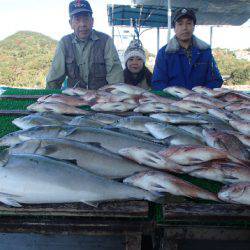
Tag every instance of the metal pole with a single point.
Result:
(158, 39)
(169, 19)
(113, 32)
(211, 36)
(113, 29)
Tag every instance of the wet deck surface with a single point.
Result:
(60, 242)
(215, 245)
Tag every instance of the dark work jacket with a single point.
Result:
(97, 74)
(173, 68)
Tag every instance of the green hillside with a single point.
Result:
(25, 58)
(237, 69)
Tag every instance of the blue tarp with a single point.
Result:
(207, 12)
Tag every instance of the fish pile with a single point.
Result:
(132, 144)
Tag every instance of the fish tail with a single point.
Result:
(157, 198)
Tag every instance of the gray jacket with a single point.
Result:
(89, 64)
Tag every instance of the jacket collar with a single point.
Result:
(173, 45)
(93, 36)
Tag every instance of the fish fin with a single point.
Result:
(164, 141)
(118, 179)
(24, 137)
(158, 190)
(168, 140)
(158, 186)
(49, 149)
(49, 109)
(9, 200)
(229, 179)
(222, 145)
(159, 199)
(195, 159)
(158, 193)
(72, 161)
(67, 132)
(110, 127)
(91, 203)
(95, 144)
(4, 157)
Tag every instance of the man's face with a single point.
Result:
(184, 29)
(82, 24)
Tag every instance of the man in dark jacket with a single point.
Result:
(87, 58)
(185, 61)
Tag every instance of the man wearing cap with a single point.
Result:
(87, 58)
(185, 61)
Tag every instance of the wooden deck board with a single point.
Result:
(122, 209)
(20, 97)
(190, 211)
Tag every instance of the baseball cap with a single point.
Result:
(79, 6)
(183, 12)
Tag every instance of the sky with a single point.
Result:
(50, 17)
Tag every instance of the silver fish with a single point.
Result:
(60, 108)
(158, 182)
(196, 131)
(212, 119)
(178, 91)
(172, 134)
(59, 117)
(212, 122)
(35, 179)
(33, 120)
(179, 119)
(134, 122)
(135, 133)
(161, 130)
(84, 121)
(103, 118)
(110, 140)
(236, 193)
(218, 126)
(89, 156)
